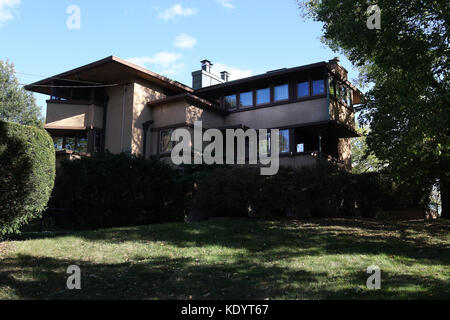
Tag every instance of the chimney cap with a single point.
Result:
(335, 59)
(206, 61)
(225, 72)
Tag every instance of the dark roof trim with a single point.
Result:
(170, 83)
(269, 75)
(197, 101)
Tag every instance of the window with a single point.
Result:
(281, 92)
(349, 98)
(332, 84)
(318, 87)
(303, 89)
(246, 99)
(342, 93)
(284, 141)
(165, 143)
(77, 142)
(230, 102)
(263, 96)
(300, 148)
(264, 145)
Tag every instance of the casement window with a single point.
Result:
(284, 141)
(281, 92)
(318, 87)
(263, 96)
(246, 99)
(230, 102)
(77, 143)
(303, 89)
(165, 143)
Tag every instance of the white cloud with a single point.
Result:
(6, 7)
(177, 10)
(165, 63)
(185, 41)
(161, 59)
(226, 3)
(235, 73)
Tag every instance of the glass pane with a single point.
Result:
(301, 148)
(263, 96)
(281, 92)
(246, 99)
(70, 143)
(284, 140)
(230, 102)
(318, 87)
(82, 145)
(264, 145)
(303, 89)
(58, 142)
(332, 91)
(166, 143)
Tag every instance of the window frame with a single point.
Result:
(160, 132)
(237, 101)
(308, 82)
(313, 94)
(281, 84)
(256, 96)
(240, 106)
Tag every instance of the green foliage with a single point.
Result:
(116, 190)
(27, 174)
(16, 104)
(321, 191)
(407, 61)
(362, 158)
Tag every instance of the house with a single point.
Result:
(114, 105)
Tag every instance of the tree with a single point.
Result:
(407, 61)
(16, 104)
(363, 160)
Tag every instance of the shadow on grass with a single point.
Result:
(258, 272)
(297, 238)
(158, 278)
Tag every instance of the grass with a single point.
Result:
(241, 259)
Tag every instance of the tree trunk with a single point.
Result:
(445, 198)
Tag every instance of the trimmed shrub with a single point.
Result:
(27, 174)
(226, 192)
(116, 190)
(321, 191)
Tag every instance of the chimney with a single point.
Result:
(206, 65)
(225, 75)
(205, 78)
(336, 67)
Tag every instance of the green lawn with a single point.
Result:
(241, 259)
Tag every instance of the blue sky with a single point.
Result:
(245, 37)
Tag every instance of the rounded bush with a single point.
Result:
(27, 174)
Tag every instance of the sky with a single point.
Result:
(245, 37)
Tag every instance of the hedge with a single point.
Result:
(116, 190)
(320, 191)
(27, 174)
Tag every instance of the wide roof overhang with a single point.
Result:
(107, 71)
